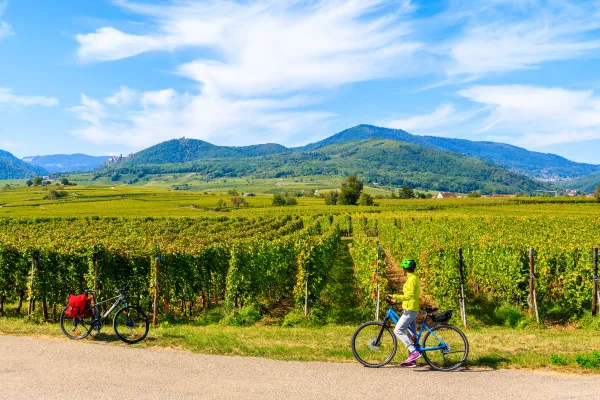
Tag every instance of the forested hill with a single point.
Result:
(13, 168)
(186, 150)
(528, 162)
(586, 184)
(386, 162)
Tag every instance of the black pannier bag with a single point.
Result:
(442, 317)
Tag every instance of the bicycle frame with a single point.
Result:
(394, 317)
(120, 299)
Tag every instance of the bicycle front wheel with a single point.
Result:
(452, 348)
(374, 344)
(131, 326)
(76, 328)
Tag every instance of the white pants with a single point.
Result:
(408, 318)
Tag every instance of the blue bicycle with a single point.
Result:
(444, 347)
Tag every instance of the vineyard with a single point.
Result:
(268, 262)
(261, 263)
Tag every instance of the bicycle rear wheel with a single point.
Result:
(454, 348)
(367, 350)
(76, 328)
(131, 326)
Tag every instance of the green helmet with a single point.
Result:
(408, 263)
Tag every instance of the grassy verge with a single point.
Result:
(493, 347)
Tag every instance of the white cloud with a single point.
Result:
(537, 116)
(5, 28)
(8, 98)
(125, 96)
(264, 61)
(270, 47)
(506, 36)
(444, 117)
(162, 115)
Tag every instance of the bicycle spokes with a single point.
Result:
(449, 348)
(373, 345)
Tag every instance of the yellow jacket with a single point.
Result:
(412, 291)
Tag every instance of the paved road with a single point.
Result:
(32, 368)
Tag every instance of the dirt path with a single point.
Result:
(32, 368)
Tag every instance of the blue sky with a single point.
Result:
(115, 76)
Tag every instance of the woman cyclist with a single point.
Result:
(410, 305)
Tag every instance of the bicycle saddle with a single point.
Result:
(429, 309)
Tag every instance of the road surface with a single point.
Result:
(34, 368)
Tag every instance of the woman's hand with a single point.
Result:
(390, 298)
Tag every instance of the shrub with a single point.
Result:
(365, 199)
(279, 200)
(555, 359)
(590, 360)
(238, 202)
(331, 198)
(248, 315)
(55, 195)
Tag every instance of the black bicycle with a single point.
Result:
(130, 323)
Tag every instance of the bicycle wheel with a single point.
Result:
(75, 328)
(367, 351)
(454, 351)
(131, 326)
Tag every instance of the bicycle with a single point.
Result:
(130, 323)
(444, 347)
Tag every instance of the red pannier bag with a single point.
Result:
(79, 306)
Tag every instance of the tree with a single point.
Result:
(365, 199)
(597, 194)
(37, 181)
(233, 192)
(474, 193)
(221, 204)
(238, 202)
(278, 200)
(64, 181)
(55, 195)
(406, 192)
(29, 183)
(350, 191)
(331, 198)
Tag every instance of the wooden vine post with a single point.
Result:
(461, 265)
(595, 294)
(533, 310)
(155, 304)
(306, 306)
(377, 283)
(95, 271)
(34, 264)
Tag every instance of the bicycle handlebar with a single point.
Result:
(123, 289)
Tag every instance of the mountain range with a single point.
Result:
(531, 163)
(13, 168)
(67, 162)
(382, 155)
(380, 161)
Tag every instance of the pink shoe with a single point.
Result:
(412, 357)
(408, 364)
